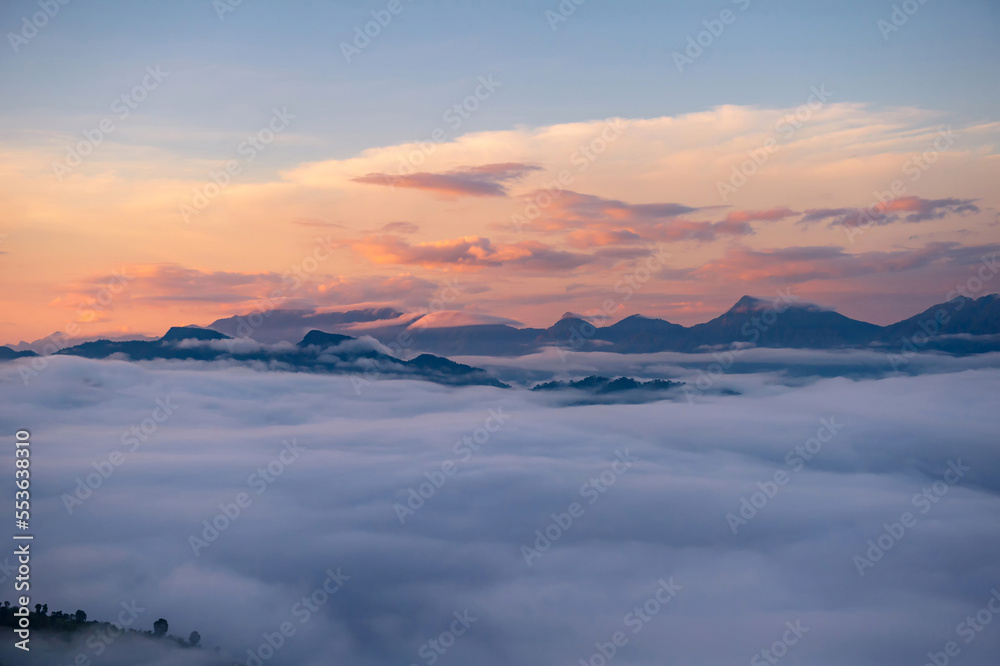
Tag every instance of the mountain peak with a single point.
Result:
(323, 339)
(748, 304)
(191, 333)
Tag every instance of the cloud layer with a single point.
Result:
(663, 517)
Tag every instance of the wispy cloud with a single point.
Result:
(907, 209)
(800, 264)
(488, 180)
(469, 252)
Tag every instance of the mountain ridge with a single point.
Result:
(962, 325)
(318, 351)
(783, 322)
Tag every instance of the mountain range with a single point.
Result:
(964, 325)
(335, 341)
(960, 326)
(318, 351)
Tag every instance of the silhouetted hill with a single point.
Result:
(750, 322)
(962, 316)
(604, 385)
(763, 324)
(323, 339)
(60, 637)
(960, 326)
(191, 333)
(641, 334)
(6, 354)
(318, 351)
(291, 325)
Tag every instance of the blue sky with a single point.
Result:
(353, 124)
(607, 59)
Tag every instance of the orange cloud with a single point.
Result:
(469, 252)
(592, 220)
(488, 180)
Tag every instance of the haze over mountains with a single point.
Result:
(316, 352)
(751, 321)
(961, 326)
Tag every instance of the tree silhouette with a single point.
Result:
(78, 624)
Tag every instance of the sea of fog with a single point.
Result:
(810, 519)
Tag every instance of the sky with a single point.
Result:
(532, 155)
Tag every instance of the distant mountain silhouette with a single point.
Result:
(758, 322)
(605, 385)
(291, 325)
(749, 322)
(963, 325)
(960, 326)
(641, 334)
(322, 339)
(318, 351)
(177, 333)
(6, 354)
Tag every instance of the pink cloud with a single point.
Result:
(802, 264)
(488, 180)
(919, 209)
(769, 215)
(469, 252)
